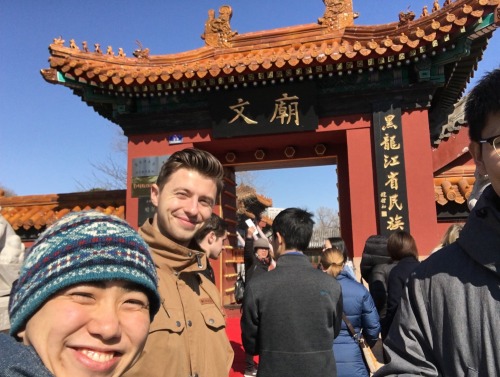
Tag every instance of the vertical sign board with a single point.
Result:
(390, 171)
(145, 170)
(268, 110)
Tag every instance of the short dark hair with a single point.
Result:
(198, 160)
(214, 223)
(339, 243)
(483, 100)
(401, 244)
(295, 225)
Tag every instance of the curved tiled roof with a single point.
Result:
(35, 212)
(245, 57)
(454, 185)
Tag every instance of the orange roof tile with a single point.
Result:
(311, 48)
(454, 185)
(35, 212)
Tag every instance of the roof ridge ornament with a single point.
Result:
(406, 17)
(218, 31)
(141, 53)
(338, 15)
(59, 41)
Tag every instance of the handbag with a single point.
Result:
(239, 289)
(370, 360)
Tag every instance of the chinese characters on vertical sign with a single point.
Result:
(391, 177)
(268, 110)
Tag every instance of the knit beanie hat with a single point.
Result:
(81, 247)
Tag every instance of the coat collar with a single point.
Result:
(289, 259)
(169, 254)
(480, 236)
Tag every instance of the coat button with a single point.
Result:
(178, 324)
(211, 321)
(190, 323)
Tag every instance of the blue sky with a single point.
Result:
(49, 138)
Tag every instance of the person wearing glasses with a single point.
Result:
(447, 324)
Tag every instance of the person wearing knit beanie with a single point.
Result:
(83, 302)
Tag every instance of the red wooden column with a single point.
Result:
(419, 180)
(357, 189)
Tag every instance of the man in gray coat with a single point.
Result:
(292, 314)
(448, 322)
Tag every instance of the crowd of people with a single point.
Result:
(94, 297)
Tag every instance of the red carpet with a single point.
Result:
(234, 333)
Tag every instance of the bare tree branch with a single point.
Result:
(110, 174)
(327, 219)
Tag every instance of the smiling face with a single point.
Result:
(486, 158)
(183, 204)
(262, 253)
(95, 329)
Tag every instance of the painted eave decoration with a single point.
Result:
(331, 47)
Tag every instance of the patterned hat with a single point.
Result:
(81, 247)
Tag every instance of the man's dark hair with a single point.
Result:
(215, 224)
(483, 100)
(295, 226)
(198, 160)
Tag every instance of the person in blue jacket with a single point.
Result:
(360, 310)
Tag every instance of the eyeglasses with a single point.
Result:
(494, 141)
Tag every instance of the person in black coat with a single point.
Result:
(292, 314)
(376, 264)
(258, 261)
(403, 249)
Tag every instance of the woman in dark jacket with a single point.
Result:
(403, 250)
(360, 311)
